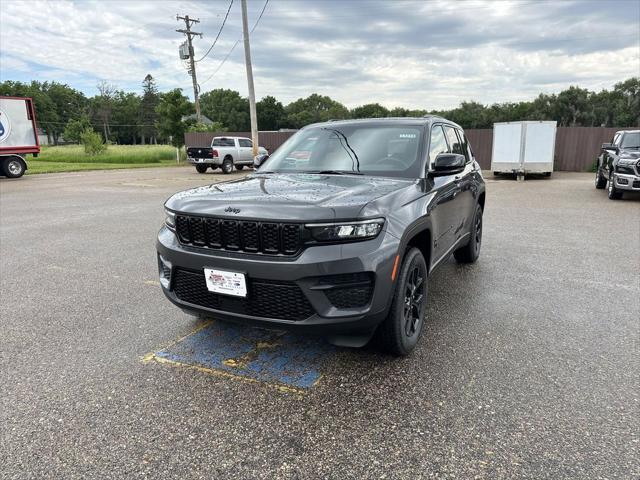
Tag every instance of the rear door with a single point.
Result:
(245, 150)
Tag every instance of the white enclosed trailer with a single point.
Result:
(18, 135)
(523, 147)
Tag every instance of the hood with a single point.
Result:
(287, 196)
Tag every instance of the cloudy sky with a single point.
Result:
(418, 54)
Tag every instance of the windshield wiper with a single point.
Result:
(331, 172)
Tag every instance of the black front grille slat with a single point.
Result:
(250, 235)
(270, 238)
(266, 299)
(214, 237)
(230, 234)
(270, 233)
(182, 229)
(197, 230)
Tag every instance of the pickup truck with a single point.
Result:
(225, 152)
(336, 233)
(619, 164)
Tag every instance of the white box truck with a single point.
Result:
(18, 135)
(523, 147)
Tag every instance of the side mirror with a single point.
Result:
(448, 163)
(609, 147)
(258, 160)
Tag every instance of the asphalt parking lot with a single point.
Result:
(529, 366)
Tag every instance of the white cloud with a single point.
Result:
(402, 53)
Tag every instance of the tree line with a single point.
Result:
(152, 117)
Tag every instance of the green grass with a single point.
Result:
(38, 166)
(115, 154)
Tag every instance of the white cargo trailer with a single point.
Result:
(18, 135)
(523, 147)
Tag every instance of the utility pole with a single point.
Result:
(196, 89)
(252, 93)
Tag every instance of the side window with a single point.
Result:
(223, 142)
(465, 145)
(243, 142)
(454, 143)
(616, 139)
(437, 143)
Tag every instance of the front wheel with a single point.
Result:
(601, 182)
(613, 193)
(13, 167)
(400, 331)
(471, 251)
(201, 168)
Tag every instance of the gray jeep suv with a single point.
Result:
(336, 233)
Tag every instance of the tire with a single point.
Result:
(202, 168)
(239, 167)
(471, 251)
(227, 165)
(13, 167)
(547, 174)
(400, 331)
(601, 182)
(613, 192)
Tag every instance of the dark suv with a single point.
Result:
(336, 233)
(619, 164)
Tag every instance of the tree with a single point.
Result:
(148, 106)
(370, 110)
(125, 116)
(171, 109)
(271, 114)
(103, 105)
(314, 108)
(206, 127)
(227, 107)
(75, 128)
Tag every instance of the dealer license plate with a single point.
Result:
(227, 283)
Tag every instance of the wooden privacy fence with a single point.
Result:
(576, 147)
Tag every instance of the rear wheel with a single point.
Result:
(601, 182)
(13, 167)
(400, 331)
(470, 252)
(227, 165)
(614, 193)
(239, 167)
(202, 168)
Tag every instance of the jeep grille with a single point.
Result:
(271, 238)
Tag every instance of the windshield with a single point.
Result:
(390, 151)
(631, 140)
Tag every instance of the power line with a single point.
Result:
(219, 32)
(235, 45)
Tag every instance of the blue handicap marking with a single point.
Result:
(276, 357)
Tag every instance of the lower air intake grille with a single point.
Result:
(265, 298)
(352, 290)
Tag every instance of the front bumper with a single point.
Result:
(623, 181)
(313, 272)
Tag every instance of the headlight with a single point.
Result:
(170, 219)
(339, 232)
(627, 160)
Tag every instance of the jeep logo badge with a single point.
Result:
(232, 210)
